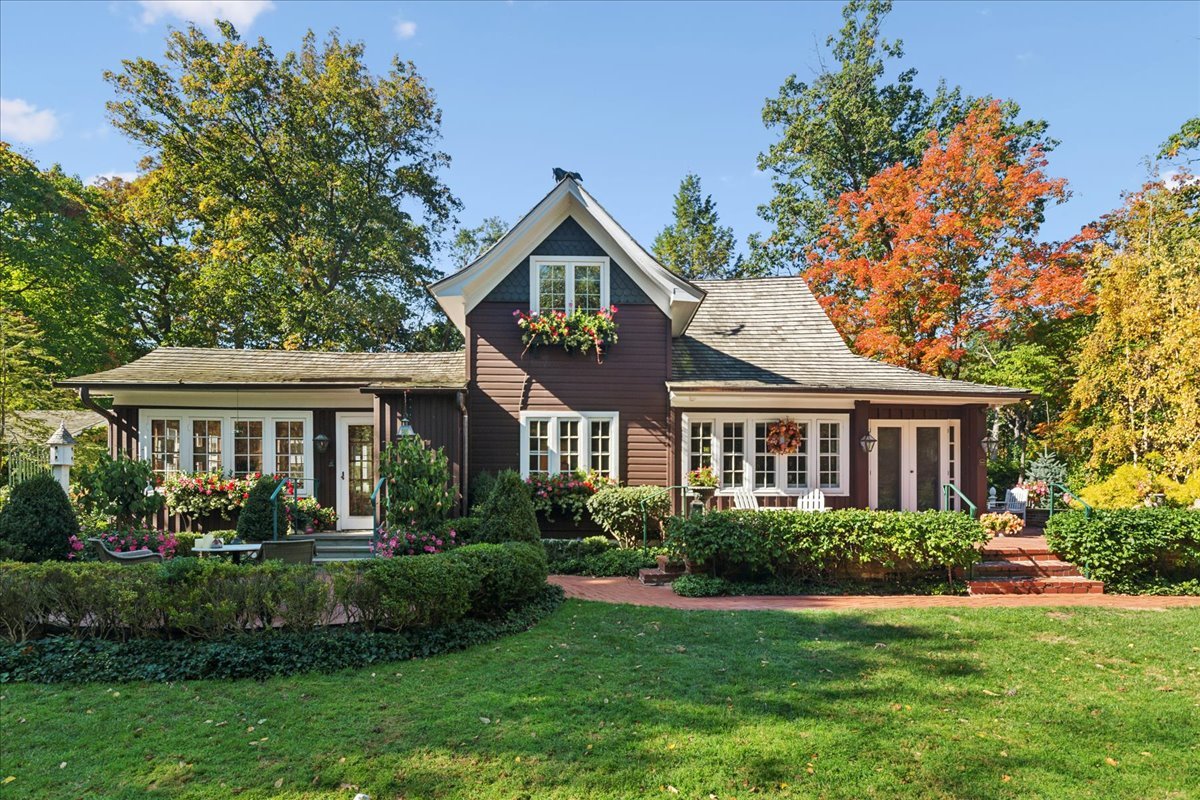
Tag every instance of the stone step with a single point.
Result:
(1023, 567)
(1059, 584)
(656, 577)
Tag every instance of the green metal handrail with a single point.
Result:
(275, 501)
(947, 488)
(1087, 510)
(375, 515)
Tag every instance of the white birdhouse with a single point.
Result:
(62, 447)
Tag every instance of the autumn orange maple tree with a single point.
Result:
(926, 256)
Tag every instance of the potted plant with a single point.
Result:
(702, 482)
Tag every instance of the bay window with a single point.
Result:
(567, 441)
(735, 445)
(568, 284)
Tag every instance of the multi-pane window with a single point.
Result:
(568, 445)
(539, 447)
(797, 463)
(569, 284)
(951, 461)
(700, 453)
(602, 445)
(829, 469)
(552, 288)
(247, 446)
(765, 461)
(206, 445)
(733, 452)
(164, 446)
(570, 442)
(289, 448)
(587, 288)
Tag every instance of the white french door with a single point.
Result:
(355, 471)
(910, 463)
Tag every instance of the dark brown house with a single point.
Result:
(700, 373)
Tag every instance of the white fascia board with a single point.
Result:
(783, 400)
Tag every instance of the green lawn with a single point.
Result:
(611, 701)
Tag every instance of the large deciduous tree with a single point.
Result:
(695, 245)
(1138, 393)
(924, 257)
(309, 186)
(846, 125)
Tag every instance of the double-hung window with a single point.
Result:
(566, 442)
(568, 284)
(736, 446)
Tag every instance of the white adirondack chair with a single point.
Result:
(1016, 501)
(744, 500)
(811, 501)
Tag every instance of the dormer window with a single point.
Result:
(568, 284)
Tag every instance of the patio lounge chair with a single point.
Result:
(811, 501)
(1016, 501)
(288, 552)
(131, 557)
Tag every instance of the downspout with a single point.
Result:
(463, 482)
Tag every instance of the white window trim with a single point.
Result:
(780, 489)
(951, 473)
(585, 439)
(535, 264)
(227, 419)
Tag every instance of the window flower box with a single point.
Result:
(578, 332)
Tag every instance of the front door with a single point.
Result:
(911, 462)
(355, 471)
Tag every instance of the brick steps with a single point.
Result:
(661, 575)
(1026, 565)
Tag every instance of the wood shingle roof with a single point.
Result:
(771, 333)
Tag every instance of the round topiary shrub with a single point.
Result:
(256, 522)
(37, 521)
(507, 514)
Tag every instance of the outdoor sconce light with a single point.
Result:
(990, 446)
(405, 430)
(321, 442)
(867, 442)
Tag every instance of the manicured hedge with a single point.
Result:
(209, 599)
(1125, 547)
(61, 659)
(597, 556)
(789, 544)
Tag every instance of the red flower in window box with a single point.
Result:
(578, 332)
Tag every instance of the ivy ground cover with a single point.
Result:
(614, 702)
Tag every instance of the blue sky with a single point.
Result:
(633, 96)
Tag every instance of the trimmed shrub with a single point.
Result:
(699, 586)
(38, 522)
(598, 557)
(622, 510)
(481, 488)
(508, 574)
(256, 521)
(507, 514)
(1124, 547)
(565, 555)
(790, 544)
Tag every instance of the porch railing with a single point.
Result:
(1065, 492)
(275, 501)
(947, 488)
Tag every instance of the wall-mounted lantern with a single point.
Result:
(990, 445)
(867, 442)
(321, 442)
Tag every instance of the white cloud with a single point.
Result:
(1025, 56)
(24, 122)
(404, 29)
(94, 180)
(241, 13)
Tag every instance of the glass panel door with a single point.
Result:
(360, 471)
(890, 468)
(929, 468)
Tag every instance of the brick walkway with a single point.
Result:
(628, 590)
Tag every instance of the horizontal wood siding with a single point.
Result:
(631, 381)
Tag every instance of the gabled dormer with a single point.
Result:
(577, 257)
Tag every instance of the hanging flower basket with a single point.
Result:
(578, 332)
(785, 436)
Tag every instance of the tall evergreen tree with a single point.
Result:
(695, 245)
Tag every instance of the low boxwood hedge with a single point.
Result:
(61, 659)
(208, 599)
(1126, 548)
(597, 557)
(799, 545)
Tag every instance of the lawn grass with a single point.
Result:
(605, 701)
